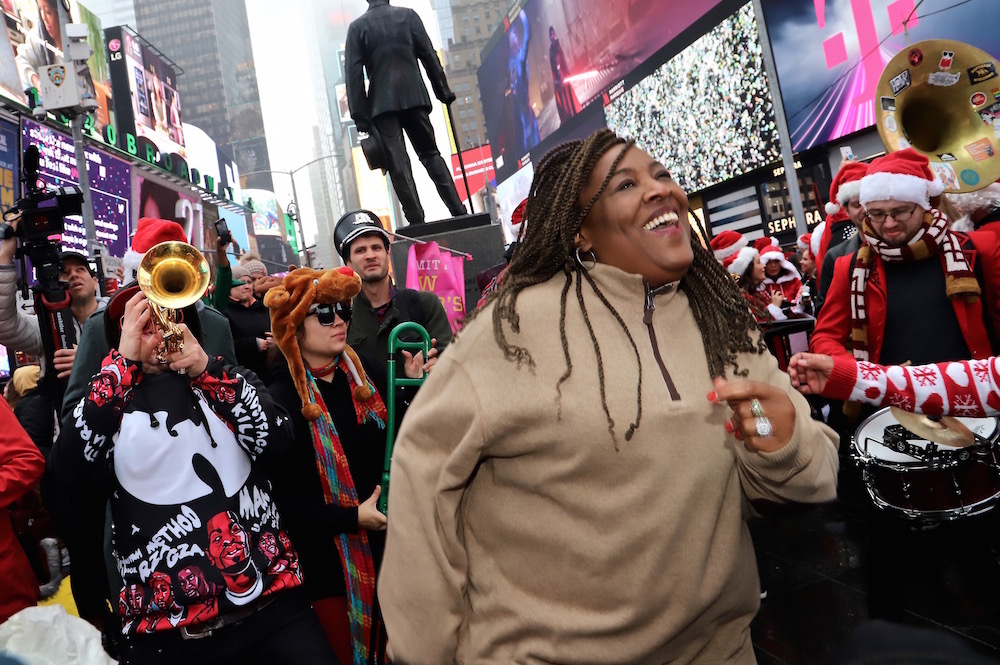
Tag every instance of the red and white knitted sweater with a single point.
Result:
(964, 388)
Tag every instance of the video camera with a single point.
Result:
(40, 215)
(41, 212)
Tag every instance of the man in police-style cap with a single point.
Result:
(363, 243)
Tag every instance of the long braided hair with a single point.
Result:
(554, 217)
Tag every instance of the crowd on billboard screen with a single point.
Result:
(706, 114)
(550, 60)
(830, 55)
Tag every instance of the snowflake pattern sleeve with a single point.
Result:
(965, 388)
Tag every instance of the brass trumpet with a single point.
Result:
(173, 275)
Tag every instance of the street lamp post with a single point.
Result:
(304, 255)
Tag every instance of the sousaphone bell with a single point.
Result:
(942, 98)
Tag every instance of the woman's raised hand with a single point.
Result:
(763, 416)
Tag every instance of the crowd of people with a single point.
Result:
(706, 114)
(217, 481)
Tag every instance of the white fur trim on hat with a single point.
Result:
(778, 255)
(847, 191)
(742, 261)
(884, 186)
(817, 238)
(130, 262)
(726, 252)
(832, 208)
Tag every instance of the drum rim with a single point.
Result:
(917, 465)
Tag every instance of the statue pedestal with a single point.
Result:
(473, 234)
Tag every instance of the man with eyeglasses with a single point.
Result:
(381, 305)
(915, 292)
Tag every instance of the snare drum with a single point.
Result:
(929, 490)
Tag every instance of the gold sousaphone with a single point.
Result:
(173, 275)
(942, 97)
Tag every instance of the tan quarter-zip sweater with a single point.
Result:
(517, 536)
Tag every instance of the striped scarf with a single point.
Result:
(338, 489)
(932, 238)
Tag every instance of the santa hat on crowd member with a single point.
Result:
(727, 244)
(775, 253)
(738, 263)
(816, 238)
(765, 243)
(803, 241)
(148, 232)
(904, 175)
(846, 185)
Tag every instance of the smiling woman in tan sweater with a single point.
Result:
(562, 489)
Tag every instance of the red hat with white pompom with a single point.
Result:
(727, 244)
(904, 175)
(846, 185)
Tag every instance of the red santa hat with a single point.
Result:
(727, 244)
(765, 243)
(738, 263)
(774, 253)
(904, 175)
(846, 185)
(803, 241)
(149, 232)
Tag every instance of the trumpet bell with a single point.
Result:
(939, 97)
(173, 275)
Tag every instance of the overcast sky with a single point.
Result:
(286, 65)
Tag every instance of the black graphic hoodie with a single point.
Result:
(196, 533)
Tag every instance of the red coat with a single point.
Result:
(832, 335)
(21, 466)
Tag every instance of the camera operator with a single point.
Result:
(19, 330)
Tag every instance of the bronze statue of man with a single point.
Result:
(389, 42)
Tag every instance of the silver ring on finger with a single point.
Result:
(182, 370)
(756, 408)
(764, 428)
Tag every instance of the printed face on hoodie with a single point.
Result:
(640, 223)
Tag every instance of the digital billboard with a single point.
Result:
(100, 74)
(706, 114)
(152, 110)
(268, 218)
(10, 164)
(549, 60)
(10, 78)
(478, 170)
(162, 202)
(110, 186)
(34, 30)
(830, 54)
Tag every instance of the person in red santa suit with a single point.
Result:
(780, 276)
(732, 250)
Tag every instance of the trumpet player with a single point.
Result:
(180, 442)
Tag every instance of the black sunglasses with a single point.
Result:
(326, 314)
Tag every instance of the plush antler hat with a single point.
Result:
(904, 175)
(289, 305)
